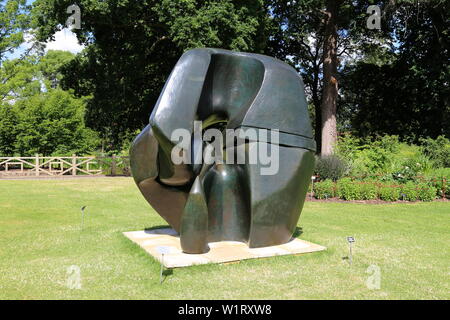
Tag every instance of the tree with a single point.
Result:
(36, 115)
(17, 79)
(318, 37)
(133, 46)
(13, 21)
(298, 40)
(330, 83)
(52, 123)
(31, 74)
(403, 89)
(8, 129)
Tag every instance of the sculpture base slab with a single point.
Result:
(167, 240)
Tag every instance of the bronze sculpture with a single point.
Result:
(221, 201)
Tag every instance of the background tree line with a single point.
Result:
(368, 82)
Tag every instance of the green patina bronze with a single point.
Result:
(220, 201)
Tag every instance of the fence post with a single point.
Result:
(37, 164)
(113, 165)
(74, 165)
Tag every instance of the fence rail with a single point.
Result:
(62, 166)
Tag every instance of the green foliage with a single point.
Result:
(437, 150)
(399, 89)
(389, 193)
(50, 66)
(36, 115)
(220, 24)
(347, 189)
(330, 167)
(348, 146)
(440, 180)
(51, 123)
(370, 158)
(368, 191)
(13, 21)
(426, 192)
(377, 154)
(412, 168)
(324, 189)
(386, 159)
(402, 90)
(19, 79)
(136, 45)
(409, 191)
(8, 129)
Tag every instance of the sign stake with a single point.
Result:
(312, 186)
(162, 269)
(350, 241)
(163, 250)
(82, 221)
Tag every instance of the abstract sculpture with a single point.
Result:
(224, 200)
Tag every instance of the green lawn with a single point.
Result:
(40, 239)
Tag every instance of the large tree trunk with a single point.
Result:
(318, 123)
(317, 109)
(330, 85)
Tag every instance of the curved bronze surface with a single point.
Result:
(205, 203)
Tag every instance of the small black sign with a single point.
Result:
(350, 239)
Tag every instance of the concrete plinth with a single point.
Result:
(167, 241)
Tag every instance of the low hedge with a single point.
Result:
(368, 191)
(324, 189)
(441, 182)
(347, 189)
(426, 192)
(389, 193)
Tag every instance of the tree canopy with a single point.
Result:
(133, 45)
(14, 19)
(367, 81)
(36, 115)
(403, 90)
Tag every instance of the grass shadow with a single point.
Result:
(298, 232)
(166, 273)
(157, 227)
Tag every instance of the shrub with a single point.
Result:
(409, 191)
(324, 189)
(389, 143)
(426, 192)
(437, 150)
(347, 147)
(369, 191)
(389, 193)
(440, 180)
(348, 190)
(330, 167)
(51, 123)
(375, 157)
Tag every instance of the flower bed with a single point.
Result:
(348, 189)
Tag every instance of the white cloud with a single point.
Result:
(65, 40)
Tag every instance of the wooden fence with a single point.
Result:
(38, 166)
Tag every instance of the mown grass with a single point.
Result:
(40, 238)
